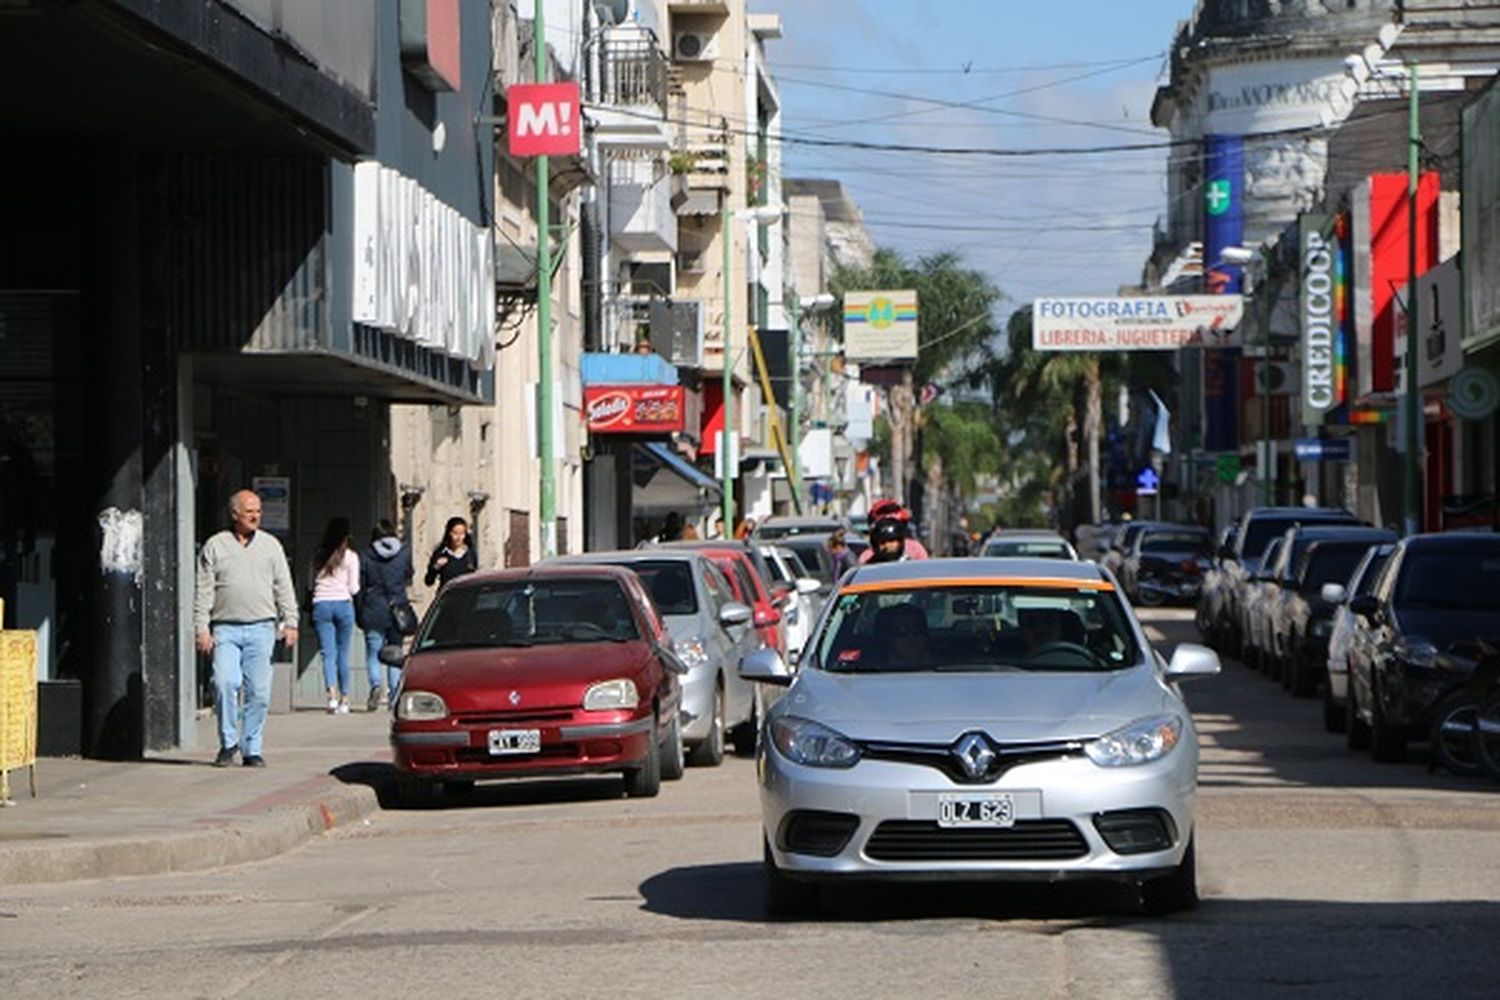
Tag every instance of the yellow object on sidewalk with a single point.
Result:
(17, 706)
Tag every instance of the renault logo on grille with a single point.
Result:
(515, 697)
(974, 753)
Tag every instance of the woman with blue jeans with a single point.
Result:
(335, 582)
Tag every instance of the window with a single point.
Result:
(670, 584)
(530, 613)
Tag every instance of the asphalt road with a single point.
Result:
(1323, 874)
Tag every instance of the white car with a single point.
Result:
(802, 603)
(981, 719)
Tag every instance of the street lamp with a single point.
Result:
(727, 471)
(1237, 256)
(801, 304)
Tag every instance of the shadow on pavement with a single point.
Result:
(382, 778)
(735, 892)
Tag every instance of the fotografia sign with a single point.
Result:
(880, 326)
(1136, 323)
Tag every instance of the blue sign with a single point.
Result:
(1323, 449)
(1223, 226)
(1147, 481)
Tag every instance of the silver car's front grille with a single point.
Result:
(961, 764)
(1027, 840)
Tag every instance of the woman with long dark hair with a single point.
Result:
(335, 574)
(454, 557)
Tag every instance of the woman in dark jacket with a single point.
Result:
(385, 571)
(455, 557)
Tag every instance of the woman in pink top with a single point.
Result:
(335, 573)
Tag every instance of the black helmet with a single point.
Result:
(887, 529)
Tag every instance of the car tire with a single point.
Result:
(709, 751)
(747, 733)
(644, 782)
(787, 898)
(1453, 735)
(1387, 741)
(1149, 598)
(1335, 716)
(673, 759)
(1356, 730)
(1174, 892)
(1304, 678)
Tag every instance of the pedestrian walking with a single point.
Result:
(244, 596)
(454, 557)
(335, 576)
(383, 609)
(838, 549)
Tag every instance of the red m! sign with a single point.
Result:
(543, 119)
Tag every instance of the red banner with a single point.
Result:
(635, 409)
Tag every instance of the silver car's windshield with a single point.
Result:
(976, 628)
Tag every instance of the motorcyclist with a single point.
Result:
(887, 510)
(887, 541)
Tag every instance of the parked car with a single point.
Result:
(1166, 563)
(1243, 557)
(813, 551)
(776, 528)
(1255, 590)
(750, 578)
(1114, 556)
(710, 631)
(1213, 593)
(1338, 595)
(981, 718)
(538, 672)
(803, 603)
(1299, 619)
(1414, 638)
(1025, 543)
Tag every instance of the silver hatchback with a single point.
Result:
(979, 718)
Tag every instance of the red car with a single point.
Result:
(543, 671)
(741, 564)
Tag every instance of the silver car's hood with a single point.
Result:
(1010, 707)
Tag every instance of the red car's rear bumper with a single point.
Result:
(579, 742)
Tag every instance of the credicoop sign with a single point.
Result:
(1319, 317)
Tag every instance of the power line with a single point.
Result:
(963, 71)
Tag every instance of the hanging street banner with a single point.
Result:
(542, 119)
(880, 326)
(1137, 323)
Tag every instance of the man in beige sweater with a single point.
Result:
(244, 596)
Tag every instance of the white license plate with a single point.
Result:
(988, 809)
(504, 742)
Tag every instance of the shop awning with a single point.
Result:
(664, 455)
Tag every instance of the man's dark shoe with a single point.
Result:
(226, 756)
(254, 760)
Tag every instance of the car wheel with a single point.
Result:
(644, 782)
(1357, 730)
(746, 733)
(709, 752)
(1175, 891)
(1387, 741)
(786, 897)
(1487, 734)
(672, 758)
(1149, 597)
(1304, 678)
(1453, 735)
(1335, 716)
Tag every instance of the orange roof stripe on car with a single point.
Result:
(1048, 582)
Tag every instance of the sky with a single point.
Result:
(1064, 73)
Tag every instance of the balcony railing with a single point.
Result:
(633, 72)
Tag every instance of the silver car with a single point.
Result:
(979, 718)
(710, 633)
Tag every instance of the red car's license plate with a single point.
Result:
(504, 742)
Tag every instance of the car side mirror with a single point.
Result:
(1226, 552)
(765, 666)
(1192, 660)
(807, 585)
(392, 654)
(1334, 593)
(1366, 606)
(734, 613)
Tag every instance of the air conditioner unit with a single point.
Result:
(695, 46)
(677, 332)
(693, 261)
(648, 278)
(1280, 375)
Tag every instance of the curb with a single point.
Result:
(232, 841)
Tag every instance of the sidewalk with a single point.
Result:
(176, 812)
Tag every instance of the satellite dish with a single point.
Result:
(612, 11)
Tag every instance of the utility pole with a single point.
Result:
(1267, 474)
(1413, 400)
(795, 472)
(545, 429)
(726, 452)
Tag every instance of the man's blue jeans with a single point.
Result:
(242, 660)
(334, 623)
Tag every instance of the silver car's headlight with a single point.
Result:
(803, 741)
(1140, 742)
(619, 693)
(692, 651)
(421, 706)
